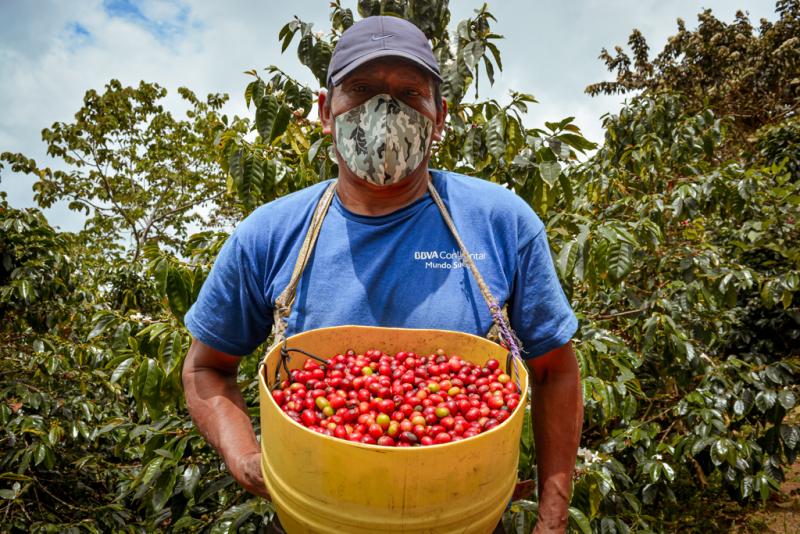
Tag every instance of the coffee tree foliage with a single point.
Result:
(676, 240)
(135, 171)
(750, 77)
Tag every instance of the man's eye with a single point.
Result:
(413, 92)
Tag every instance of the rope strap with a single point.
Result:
(283, 304)
(507, 335)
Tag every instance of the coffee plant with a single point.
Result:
(676, 239)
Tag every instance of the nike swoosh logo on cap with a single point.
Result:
(379, 37)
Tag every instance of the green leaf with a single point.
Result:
(190, 477)
(699, 445)
(580, 520)
(101, 321)
(567, 257)
(764, 487)
(620, 260)
(655, 472)
(472, 146)
(163, 489)
(746, 486)
(472, 54)
(649, 493)
(787, 399)
(287, 33)
(489, 69)
(790, 436)
(250, 182)
(120, 338)
(234, 517)
(150, 377)
(550, 170)
(774, 374)
(39, 454)
(111, 425)
(578, 142)
(151, 471)
(669, 472)
(272, 118)
(496, 55)
(271, 175)
(10, 494)
(719, 451)
(765, 400)
(160, 269)
(313, 149)
(25, 290)
(177, 293)
(595, 497)
(121, 369)
(258, 91)
(495, 134)
(215, 487)
(266, 116)
(280, 124)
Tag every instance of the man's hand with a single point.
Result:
(247, 473)
(557, 421)
(217, 408)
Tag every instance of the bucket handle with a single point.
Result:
(285, 359)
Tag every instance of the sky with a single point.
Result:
(52, 52)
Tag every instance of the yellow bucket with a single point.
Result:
(323, 484)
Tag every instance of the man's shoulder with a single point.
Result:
(296, 202)
(482, 198)
(282, 214)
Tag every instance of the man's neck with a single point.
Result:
(363, 198)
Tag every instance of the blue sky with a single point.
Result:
(52, 51)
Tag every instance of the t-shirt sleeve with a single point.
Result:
(539, 311)
(230, 313)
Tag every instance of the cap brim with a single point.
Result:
(343, 72)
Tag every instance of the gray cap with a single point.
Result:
(380, 36)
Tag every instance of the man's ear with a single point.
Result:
(438, 127)
(324, 112)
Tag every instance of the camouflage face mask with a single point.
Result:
(383, 140)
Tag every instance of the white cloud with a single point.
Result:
(52, 52)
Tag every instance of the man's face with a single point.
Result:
(394, 76)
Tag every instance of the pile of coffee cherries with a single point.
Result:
(398, 401)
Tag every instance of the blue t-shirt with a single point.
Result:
(397, 270)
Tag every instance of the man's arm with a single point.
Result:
(557, 422)
(218, 409)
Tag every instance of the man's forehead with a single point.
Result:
(380, 67)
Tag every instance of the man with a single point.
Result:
(385, 257)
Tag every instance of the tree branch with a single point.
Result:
(90, 203)
(619, 314)
(107, 188)
(154, 220)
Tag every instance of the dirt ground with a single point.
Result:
(781, 515)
